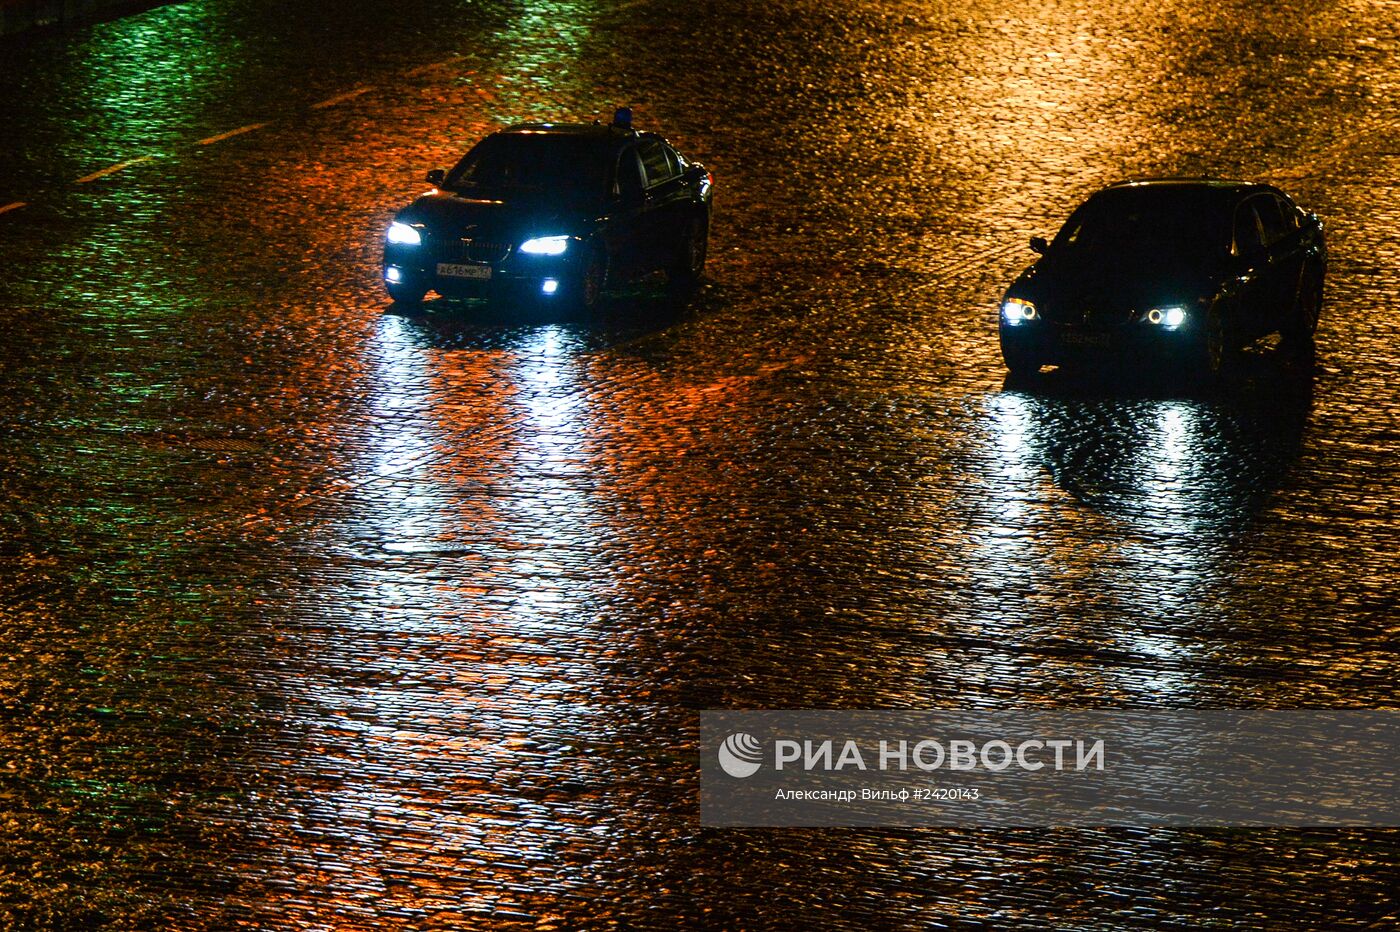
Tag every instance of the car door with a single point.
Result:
(667, 197)
(1284, 241)
(627, 234)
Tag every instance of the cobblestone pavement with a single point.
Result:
(318, 615)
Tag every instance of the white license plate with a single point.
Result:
(1076, 338)
(460, 270)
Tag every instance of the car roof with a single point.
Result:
(1223, 186)
(597, 130)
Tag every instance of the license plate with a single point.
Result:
(460, 270)
(1078, 338)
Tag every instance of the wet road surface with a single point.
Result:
(321, 614)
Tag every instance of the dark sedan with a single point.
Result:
(554, 212)
(1175, 270)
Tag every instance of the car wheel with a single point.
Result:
(593, 281)
(689, 264)
(406, 292)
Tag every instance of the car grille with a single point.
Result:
(469, 250)
(479, 251)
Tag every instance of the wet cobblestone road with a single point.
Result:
(318, 615)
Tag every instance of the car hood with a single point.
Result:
(1091, 291)
(445, 215)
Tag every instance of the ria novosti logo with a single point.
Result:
(740, 755)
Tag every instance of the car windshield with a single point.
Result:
(548, 163)
(1148, 223)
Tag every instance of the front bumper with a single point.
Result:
(1057, 344)
(453, 273)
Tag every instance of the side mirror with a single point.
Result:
(436, 177)
(1039, 245)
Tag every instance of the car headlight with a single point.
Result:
(403, 234)
(1168, 318)
(545, 245)
(1016, 310)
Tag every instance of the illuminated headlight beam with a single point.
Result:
(1168, 318)
(1016, 310)
(403, 234)
(545, 245)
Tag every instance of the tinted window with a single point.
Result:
(657, 163)
(1248, 236)
(629, 173)
(674, 157)
(534, 162)
(1289, 213)
(1124, 224)
(1271, 220)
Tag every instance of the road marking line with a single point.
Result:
(422, 69)
(233, 132)
(102, 173)
(341, 98)
(13, 205)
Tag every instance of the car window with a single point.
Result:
(1289, 212)
(1147, 224)
(532, 162)
(674, 157)
(1247, 233)
(656, 165)
(1271, 222)
(629, 173)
